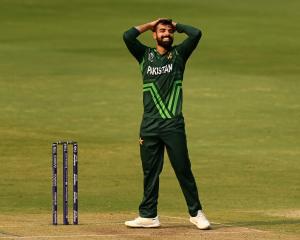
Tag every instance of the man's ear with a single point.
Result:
(154, 35)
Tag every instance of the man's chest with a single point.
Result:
(156, 65)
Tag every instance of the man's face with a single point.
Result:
(164, 35)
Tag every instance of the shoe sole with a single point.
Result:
(203, 228)
(143, 226)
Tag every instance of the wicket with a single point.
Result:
(65, 181)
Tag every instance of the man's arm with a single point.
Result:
(188, 45)
(136, 48)
(147, 26)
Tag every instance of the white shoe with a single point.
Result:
(200, 221)
(141, 222)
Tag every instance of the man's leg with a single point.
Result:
(178, 154)
(152, 154)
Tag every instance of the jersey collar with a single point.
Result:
(162, 55)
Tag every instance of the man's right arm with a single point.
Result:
(136, 48)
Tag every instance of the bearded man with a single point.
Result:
(163, 124)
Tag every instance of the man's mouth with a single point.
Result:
(166, 39)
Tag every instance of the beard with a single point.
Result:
(165, 44)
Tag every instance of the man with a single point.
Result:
(163, 123)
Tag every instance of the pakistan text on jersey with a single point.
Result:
(159, 70)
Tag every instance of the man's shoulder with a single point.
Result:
(175, 49)
(151, 49)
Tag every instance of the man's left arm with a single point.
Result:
(188, 45)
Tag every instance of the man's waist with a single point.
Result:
(152, 125)
(157, 116)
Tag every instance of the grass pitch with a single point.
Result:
(66, 74)
(109, 226)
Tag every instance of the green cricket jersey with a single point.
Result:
(162, 78)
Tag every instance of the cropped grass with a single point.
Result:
(65, 73)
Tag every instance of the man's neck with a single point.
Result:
(161, 50)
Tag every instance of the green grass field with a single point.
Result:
(65, 73)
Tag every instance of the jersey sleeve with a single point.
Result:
(136, 48)
(188, 45)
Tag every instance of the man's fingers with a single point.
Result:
(153, 23)
(174, 24)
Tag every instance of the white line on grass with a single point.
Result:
(119, 235)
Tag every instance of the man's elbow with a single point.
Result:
(125, 36)
(198, 34)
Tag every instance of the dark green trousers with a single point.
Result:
(152, 156)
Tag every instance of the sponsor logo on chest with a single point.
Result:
(160, 70)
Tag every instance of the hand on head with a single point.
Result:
(157, 21)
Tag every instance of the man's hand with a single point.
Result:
(150, 26)
(156, 21)
(153, 24)
(174, 25)
(147, 26)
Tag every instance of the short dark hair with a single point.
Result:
(163, 22)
